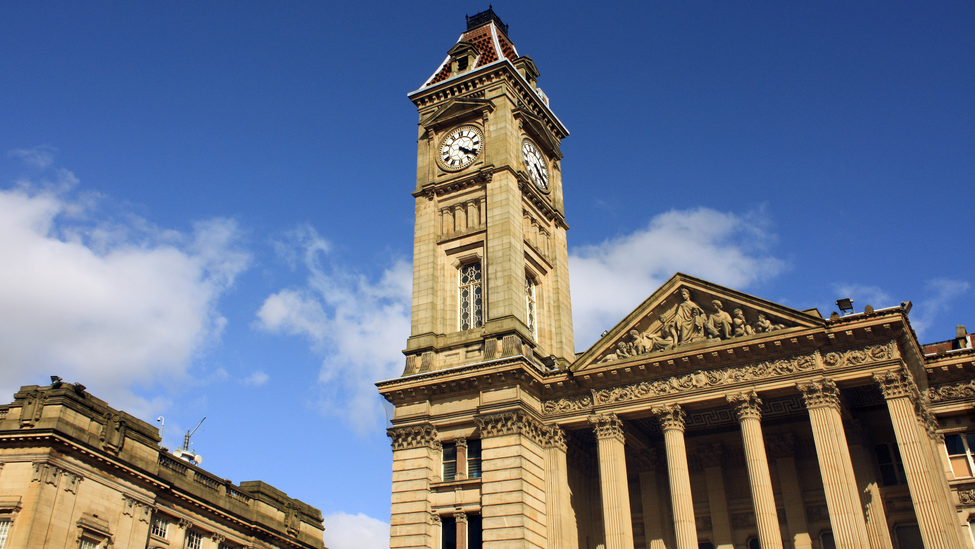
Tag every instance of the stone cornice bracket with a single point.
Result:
(511, 423)
(185, 524)
(607, 426)
(460, 517)
(434, 519)
(671, 416)
(894, 384)
(218, 538)
(417, 436)
(781, 446)
(747, 405)
(712, 455)
(555, 438)
(820, 394)
(460, 442)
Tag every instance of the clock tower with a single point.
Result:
(490, 262)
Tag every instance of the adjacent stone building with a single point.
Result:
(707, 418)
(77, 473)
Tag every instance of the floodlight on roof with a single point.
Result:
(845, 305)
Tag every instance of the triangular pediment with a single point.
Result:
(689, 313)
(457, 110)
(540, 131)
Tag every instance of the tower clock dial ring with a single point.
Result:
(535, 164)
(460, 148)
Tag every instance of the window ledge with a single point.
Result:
(469, 482)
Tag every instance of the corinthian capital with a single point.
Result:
(896, 384)
(820, 394)
(671, 416)
(417, 436)
(607, 426)
(747, 405)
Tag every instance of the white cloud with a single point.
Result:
(359, 326)
(611, 279)
(256, 379)
(940, 293)
(344, 531)
(112, 304)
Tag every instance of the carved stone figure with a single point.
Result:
(741, 327)
(640, 344)
(720, 324)
(665, 337)
(685, 317)
(765, 325)
(623, 350)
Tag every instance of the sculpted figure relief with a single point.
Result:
(688, 323)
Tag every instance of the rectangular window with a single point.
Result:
(531, 306)
(194, 540)
(449, 461)
(160, 527)
(959, 449)
(88, 544)
(4, 532)
(474, 458)
(474, 532)
(891, 467)
(471, 307)
(448, 536)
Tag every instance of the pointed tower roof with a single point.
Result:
(486, 32)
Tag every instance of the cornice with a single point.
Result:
(479, 178)
(541, 202)
(517, 368)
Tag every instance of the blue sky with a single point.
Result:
(206, 210)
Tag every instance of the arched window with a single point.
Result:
(471, 305)
(531, 306)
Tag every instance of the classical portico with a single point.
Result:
(705, 419)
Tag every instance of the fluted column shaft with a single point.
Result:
(873, 505)
(901, 395)
(612, 474)
(672, 422)
(822, 400)
(782, 448)
(748, 408)
(557, 493)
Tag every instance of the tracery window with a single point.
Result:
(531, 306)
(160, 527)
(891, 466)
(194, 540)
(4, 532)
(470, 289)
(959, 449)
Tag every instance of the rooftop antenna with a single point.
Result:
(186, 438)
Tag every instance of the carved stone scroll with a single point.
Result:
(962, 390)
(571, 403)
(702, 379)
(856, 357)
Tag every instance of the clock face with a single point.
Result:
(460, 147)
(535, 163)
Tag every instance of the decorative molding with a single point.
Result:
(857, 357)
(417, 436)
(511, 423)
(571, 403)
(702, 379)
(670, 417)
(30, 412)
(607, 426)
(218, 538)
(185, 524)
(292, 521)
(72, 481)
(113, 433)
(435, 519)
(460, 517)
(962, 390)
(747, 405)
(820, 394)
(966, 497)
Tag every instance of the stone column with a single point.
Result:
(415, 456)
(873, 505)
(781, 448)
(902, 395)
(460, 520)
(461, 445)
(437, 530)
(822, 400)
(748, 408)
(712, 456)
(617, 521)
(672, 422)
(650, 499)
(561, 534)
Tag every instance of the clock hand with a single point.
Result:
(466, 150)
